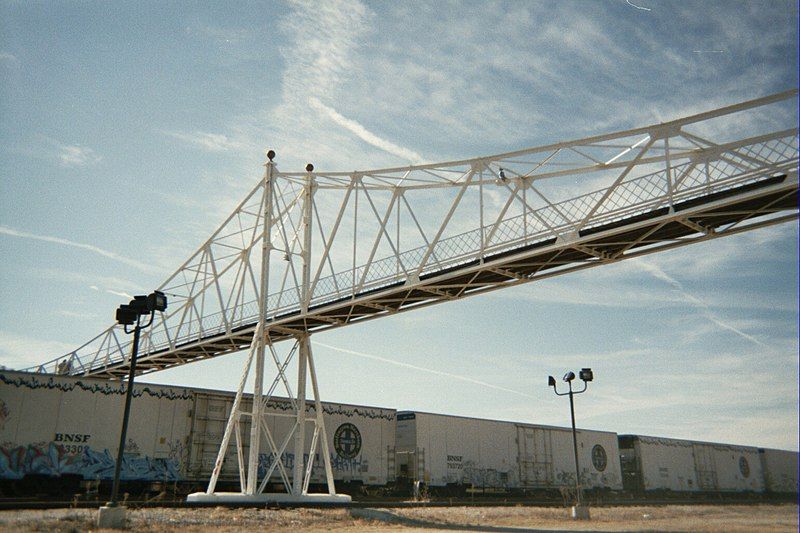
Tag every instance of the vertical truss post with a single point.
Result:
(260, 337)
(233, 422)
(300, 425)
(302, 363)
(320, 424)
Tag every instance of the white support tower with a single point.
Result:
(296, 485)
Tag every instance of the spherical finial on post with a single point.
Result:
(309, 168)
(271, 155)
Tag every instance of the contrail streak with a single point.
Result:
(656, 272)
(111, 291)
(364, 134)
(637, 7)
(422, 369)
(4, 230)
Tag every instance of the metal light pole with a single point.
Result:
(113, 515)
(580, 511)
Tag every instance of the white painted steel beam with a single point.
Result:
(339, 248)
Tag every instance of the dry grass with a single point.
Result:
(733, 518)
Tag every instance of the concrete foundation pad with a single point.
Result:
(111, 517)
(233, 498)
(580, 512)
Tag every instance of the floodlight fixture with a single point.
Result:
(581, 509)
(131, 314)
(157, 301)
(139, 304)
(126, 316)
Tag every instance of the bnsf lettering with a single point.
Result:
(71, 437)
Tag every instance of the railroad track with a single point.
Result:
(9, 504)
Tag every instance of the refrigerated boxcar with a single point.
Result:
(455, 451)
(780, 470)
(67, 428)
(652, 464)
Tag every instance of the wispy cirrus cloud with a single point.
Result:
(219, 34)
(77, 156)
(111, 291)
(19, 351)
(8, 58)
(211, 142)
(401, 364)
(77, 314)
(703, 307)
(83, 278)
(364, 134)
(5, 230)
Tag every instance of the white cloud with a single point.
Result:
(422, 369)
(19, 351)
(219, 34)
(77, 314)
(82, 278)
(636, 6)
(211, 142)
(365, 135)
(705, 309)
(4, 230)
(8, 58)
(111, 291)
(77, 156)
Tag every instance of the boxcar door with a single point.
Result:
(535, 456)
(704, 466)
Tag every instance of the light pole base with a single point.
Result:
(111, 517)
(580, 512)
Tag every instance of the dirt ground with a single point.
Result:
(731, 518)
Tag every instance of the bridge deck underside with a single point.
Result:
(703, 218)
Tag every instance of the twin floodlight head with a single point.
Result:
(585, 374)
(128, 314)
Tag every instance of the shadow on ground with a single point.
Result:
(389, 517)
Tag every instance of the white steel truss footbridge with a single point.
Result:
(310, 251)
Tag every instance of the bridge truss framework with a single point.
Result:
(330, 249)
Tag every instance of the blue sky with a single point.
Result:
(130, 130)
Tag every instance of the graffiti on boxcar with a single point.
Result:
(53, 459)
(3, 414)
(483, 477)
(355, 465)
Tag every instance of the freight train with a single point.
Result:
(59, 437)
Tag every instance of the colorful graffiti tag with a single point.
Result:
(51, 459)
(338, 464)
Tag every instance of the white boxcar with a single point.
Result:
(780, 470)
(657, 463)
(452, 450)
(57, 425)
(360, 439)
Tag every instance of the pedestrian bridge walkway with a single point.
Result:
(331, 249)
